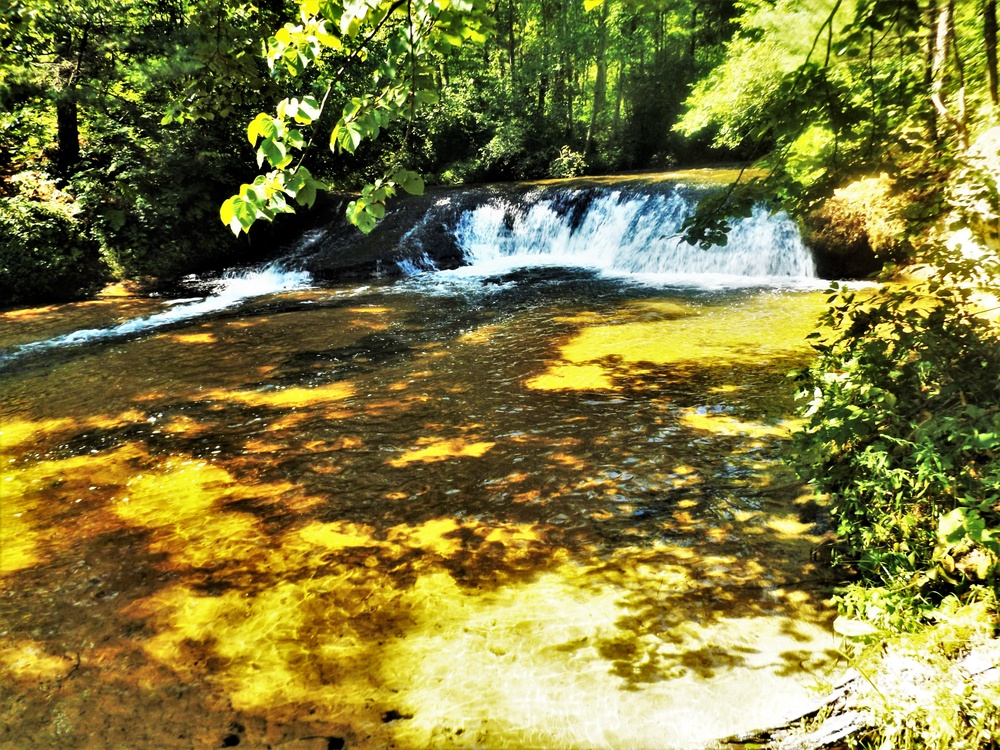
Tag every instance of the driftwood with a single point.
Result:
(835, 717)
(802, 732)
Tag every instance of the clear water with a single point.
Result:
(544, 509)
(543, 516)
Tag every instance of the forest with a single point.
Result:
(142, 141)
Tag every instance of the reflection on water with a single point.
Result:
(543, 515)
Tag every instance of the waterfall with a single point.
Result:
(627, 235)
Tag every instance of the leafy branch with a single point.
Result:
(403, 82)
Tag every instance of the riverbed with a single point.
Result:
(541, 510)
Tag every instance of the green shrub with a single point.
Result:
(154, 209)
(569, 163)
(44, 253)
(903, 432)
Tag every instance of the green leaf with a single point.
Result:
(308, 110)
(306, 195)
(245, 215)
(352, 137)
(227, 213)
(276, 153)
(295, 139)
(411, 182)
(951, 527)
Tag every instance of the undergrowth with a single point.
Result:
(902, 435)
(936, 688)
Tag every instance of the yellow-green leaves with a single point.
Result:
(369, 207)
(303, 112)
(403, 79)
(295, 47)
(266, 197)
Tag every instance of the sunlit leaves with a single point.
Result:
(369, 207)
(903, 429)
(411, 35)
(266, 197)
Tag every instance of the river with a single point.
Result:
(531, 502)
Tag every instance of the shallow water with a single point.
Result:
(534, 513)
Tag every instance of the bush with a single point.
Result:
(569, 163)
(903, 432)
(44, 253)
(153, 208)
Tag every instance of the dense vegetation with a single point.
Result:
(125, 125)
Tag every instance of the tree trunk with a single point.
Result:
(990, 41)
(619, 98)
(932, 124)
(67, 115)
(67, 134)
(601, 82)
(511, 36)
(543, 83)
(945, 47)
(567, 70)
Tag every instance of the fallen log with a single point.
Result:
(825, 724)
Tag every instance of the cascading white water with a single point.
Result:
(633, 235)
(233, 288)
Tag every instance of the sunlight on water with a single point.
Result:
(439, 450)
(416, 522)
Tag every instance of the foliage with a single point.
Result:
(154, 194)
(412, 35)
(524, 77)
(85, 87)
(974, 191)
(937, 687)
(44, 251)
(569, 163)
(903, 430)
(739, 99)
(848, 90)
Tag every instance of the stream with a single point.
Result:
(536, 501)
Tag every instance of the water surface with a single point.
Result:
(543, 512)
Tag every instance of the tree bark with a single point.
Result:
(67, 134)
(932, 124)
(945, 47)
(511, 36)
(601, 82)
(67, 114)
(990, 41)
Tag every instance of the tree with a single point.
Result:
(540, 78)
(87, 89)
(884, 85)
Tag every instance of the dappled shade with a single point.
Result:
(273, 528)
